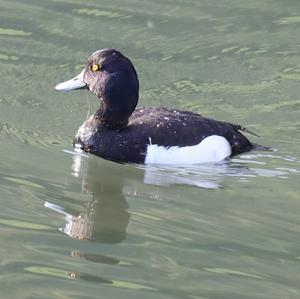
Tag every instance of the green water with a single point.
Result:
(76, 226)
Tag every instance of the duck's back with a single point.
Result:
(156, 126)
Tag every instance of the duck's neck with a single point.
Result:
(119, 97)
(111, 118)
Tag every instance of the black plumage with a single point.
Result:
(119, 132)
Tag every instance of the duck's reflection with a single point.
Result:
(105, 217)
(96, 258)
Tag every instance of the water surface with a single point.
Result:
(77, 226)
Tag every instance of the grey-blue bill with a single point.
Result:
(74, 83)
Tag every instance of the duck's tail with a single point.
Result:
(255, 146)
(241, 128)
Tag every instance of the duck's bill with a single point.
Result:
(75, 83)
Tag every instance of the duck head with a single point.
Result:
(113, 79)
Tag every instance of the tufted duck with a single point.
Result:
(122, 133)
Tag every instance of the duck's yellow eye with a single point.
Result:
(95, 67)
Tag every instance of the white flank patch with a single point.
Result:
(211, 149)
